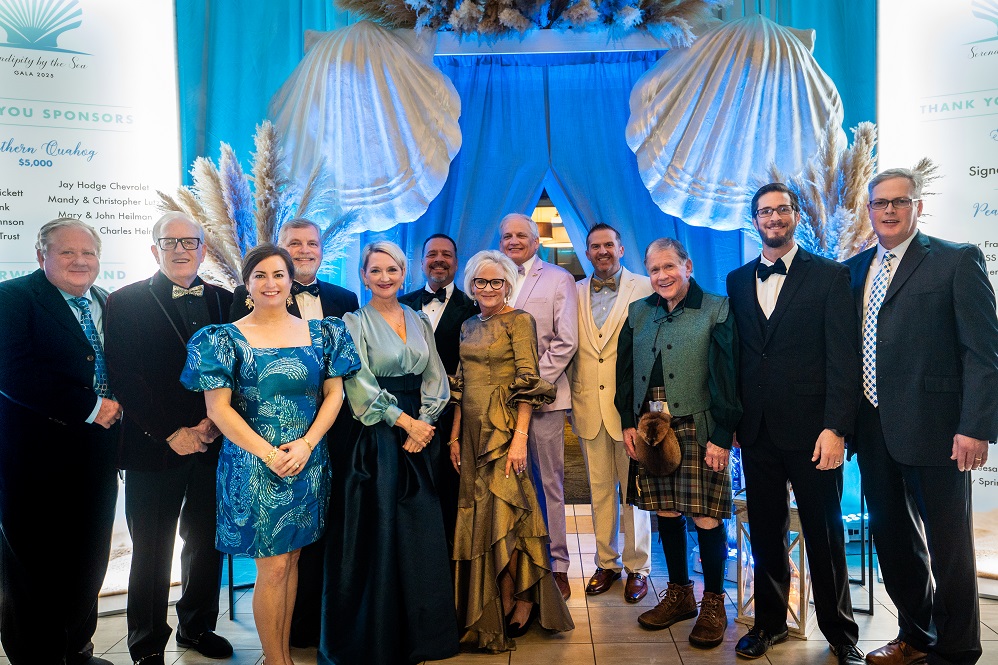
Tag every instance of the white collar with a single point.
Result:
(788, 258)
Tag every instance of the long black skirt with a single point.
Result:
(388, 596)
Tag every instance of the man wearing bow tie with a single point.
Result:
(57, 442)
(169, 447)
(798, 383)
(603, 301)
(447, 308)
(311, 298)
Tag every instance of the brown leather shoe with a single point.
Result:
(601, 581)
(709, 629)
(561, 579)
(896, 652)
(676, 604)
(636, 587)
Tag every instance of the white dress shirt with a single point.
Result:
(527, 267)
(435, 309)
(310, 306)
(878, 261)
(768, 292)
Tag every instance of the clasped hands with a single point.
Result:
(190, 440)
(420, 434)
(291, 457)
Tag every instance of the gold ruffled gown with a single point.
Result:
(497, 515)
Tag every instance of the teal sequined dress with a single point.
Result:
(278, 392)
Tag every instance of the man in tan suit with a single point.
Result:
(603, 301)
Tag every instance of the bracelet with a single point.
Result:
(453, 441)
(269, 459)
(311, 446)
(520, 431)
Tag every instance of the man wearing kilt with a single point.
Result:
(676, 354)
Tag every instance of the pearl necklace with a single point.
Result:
(483, 319)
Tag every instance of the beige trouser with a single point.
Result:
(607, 463)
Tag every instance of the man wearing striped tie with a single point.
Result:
(929, 338)
(57, 444)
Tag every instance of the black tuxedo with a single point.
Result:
(336, 301)
(52, 563)
(146, 344)
(447, 337)
(937, 369)
(798, 375)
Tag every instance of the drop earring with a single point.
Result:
(289, 301)
(249, 301)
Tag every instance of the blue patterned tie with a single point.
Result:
(877, 294)
(100, 366)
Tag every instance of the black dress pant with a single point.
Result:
(53, 562)
(155, 502)
(922, 523)
(819, 505)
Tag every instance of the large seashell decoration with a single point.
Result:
(708, 121)
(37, 25)
(382, 119)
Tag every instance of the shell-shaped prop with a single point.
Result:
(708, 121)
(380, 117)
(37, 25)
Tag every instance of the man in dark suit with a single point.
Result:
(447, 308)
(929, 343)
(58, 424)
(799, 366)
(169, 447)
(311, 299)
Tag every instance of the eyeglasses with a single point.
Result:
(481, 283)
(899, 203)
(170, 244)
(782, 211)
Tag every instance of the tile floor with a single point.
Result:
(606, 631)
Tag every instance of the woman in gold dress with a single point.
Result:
(503, 566)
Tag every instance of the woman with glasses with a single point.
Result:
(503, 572)
(388, 596)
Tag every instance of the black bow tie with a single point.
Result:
(764, 271)
(440, 295)
(312, 289)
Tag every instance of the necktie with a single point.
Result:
(521, 271)
(440, 294)
(598, 284)
(180, 292)
(764, 271)
(877, 293)
(312, 289)
(100, 366)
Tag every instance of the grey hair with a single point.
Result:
(48, 228)
(534, 231)
(157, 228)
(384, 247)
(665, 244)
(490, 257)
(297, 223)
(914, 177)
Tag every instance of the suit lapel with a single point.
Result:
(169, 310)
(860, 271)
(628, 282)
(916, 251)
(586, 307)
(528, 283)
(49, 297)
(746, 293)
(795, 277)
(452, 310)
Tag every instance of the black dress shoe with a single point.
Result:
(208, 644)
(514, 630)
(848, 654)
(756, 642)
(152, 659)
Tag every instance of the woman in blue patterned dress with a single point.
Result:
(273, 385)
(388, 596)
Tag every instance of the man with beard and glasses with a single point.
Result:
(799, 388)
(447, 307)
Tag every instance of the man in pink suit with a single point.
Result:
(547, 292)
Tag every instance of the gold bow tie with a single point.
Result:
(598, 284)
(180, 292)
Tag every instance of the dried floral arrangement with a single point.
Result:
(235, 218)
(832, 190)
(671, 21)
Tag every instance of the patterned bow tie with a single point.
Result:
(764, 271)
(312, 289)
(598, 284)
(180, 292)
(440, 295)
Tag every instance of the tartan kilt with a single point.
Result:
(694, 489)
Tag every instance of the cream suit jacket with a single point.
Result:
(593, 370)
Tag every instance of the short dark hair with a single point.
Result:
(265, 251)
(775, 187)
(440, 235)
(602, 227)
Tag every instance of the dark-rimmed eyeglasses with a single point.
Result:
(782, 211)
(170, 244)
(900, 203)
(481, 283)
